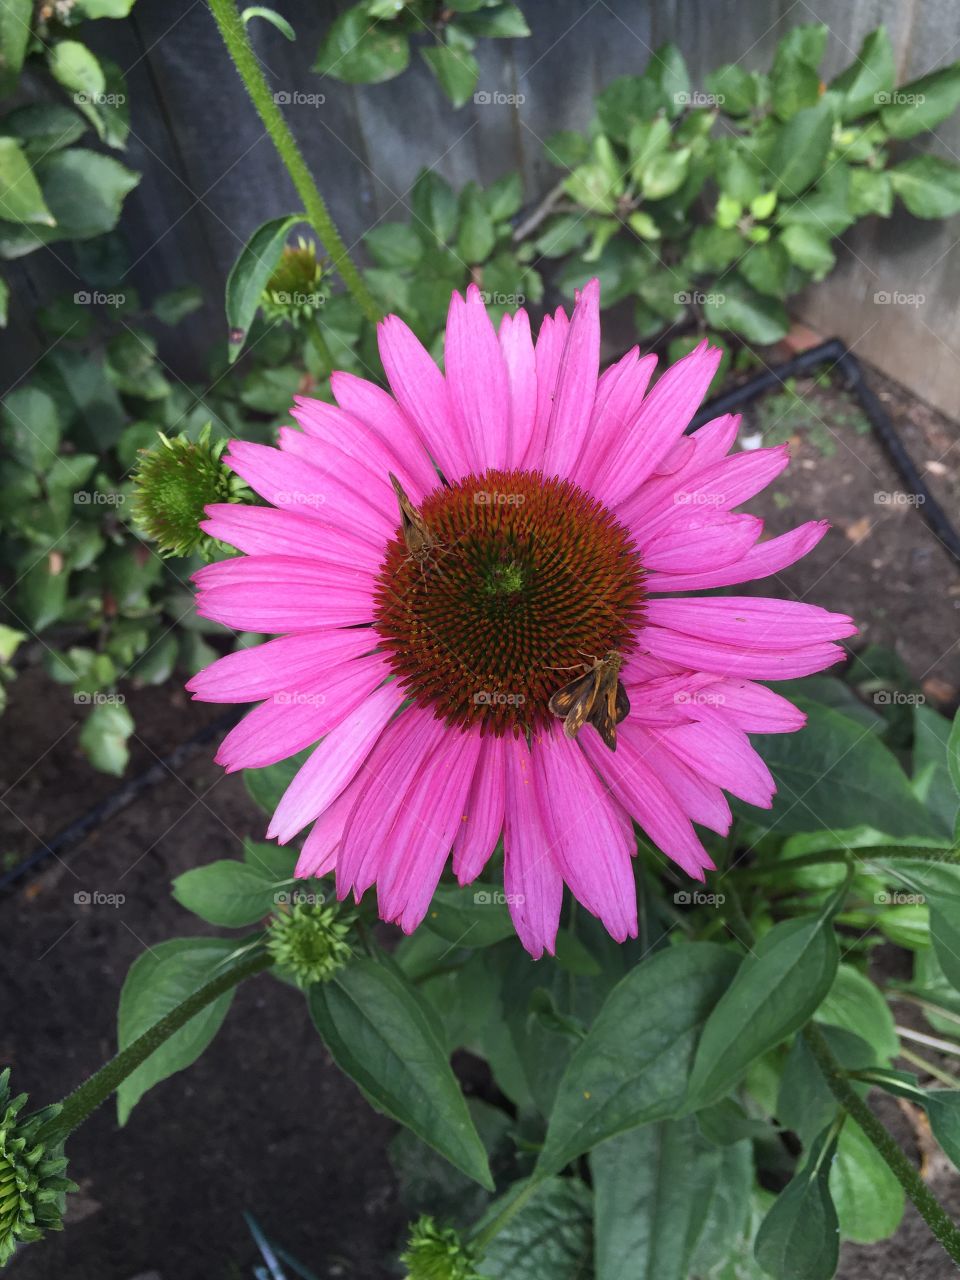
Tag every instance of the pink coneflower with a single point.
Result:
(570, 517)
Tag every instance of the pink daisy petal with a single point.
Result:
(283, 593)
(752, 707)
(701, 542)
(482, 823)
(760, 561)
(318, 856)
(379, 411)
(750, 622)
(620, 392)
(590, 847)
(548, 352)
(725, 660)
(576, 386)
(362, 456)
(533, 885)
(724, 756)
(477, 380)
(270, 531)
(518, 354)
(700, 800)
(252, 674)
(334, 763)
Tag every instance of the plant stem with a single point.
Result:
(241, 51)
(931, 1069)
(78, 1105)
(932, 1042)
(483, 1238)
(867, 853)
(927, 1205)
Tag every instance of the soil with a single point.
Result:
(264, 1123)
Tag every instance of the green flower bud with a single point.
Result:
(309, 941)
(438, 1253)
(294, 292)
(32, 1186)
(175, 481)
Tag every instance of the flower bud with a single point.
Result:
(438, 1253)
(309, 941)
(32, 1185)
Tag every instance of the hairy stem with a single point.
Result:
(241, 51)
(927, 1205)
(95, 1090)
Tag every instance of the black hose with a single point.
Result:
(834, 352)
(118, 800)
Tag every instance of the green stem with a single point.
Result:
(241, 51)
(865, 854)
(927, 1205)
(85, 1099)
(483, 1238)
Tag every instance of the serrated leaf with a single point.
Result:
(928, 186)
(21, 199)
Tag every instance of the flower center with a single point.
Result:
(524, 579)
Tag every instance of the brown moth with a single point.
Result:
(420, 541)
(597, 697)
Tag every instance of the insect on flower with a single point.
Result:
(597, 697)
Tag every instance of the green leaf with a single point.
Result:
(634, 1063)
(655, 1191)
(104, 737)
(15, 19)
(832, 774)
(566, 149)
(361, 51)
(265, 787)
(250, 273)
(77, 69)
(504, 197)
(476, 236)
(456, 70)
(943, 1111)
(953, 753)
(269, 15)
(794, 83)
(31, 427)
(624, 102)
(928, 186)
(809, 249)
(868, 81)
(21, 199)
(379, 1030)
(868, 1198)
(738, 308)
(800, 151)
(734, 89)
(394, 244)
(227, 893)
(932, 783)
(473, 916)
(41, 595)
(854, 1003)
(84, 192)
(501, 21)
(776, 989)
(161, 978)
(550, 1236)
(799, 1237)
(170, 308)
(434, 207)
(922, 104)
(665, 173)
(766, 268)
(43, 127)
(132, 366)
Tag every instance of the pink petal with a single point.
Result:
(661, 422)
(283, 593)
(750, 622)
(700, 800)
(477, 380)
(753, 707)
(251, 674)
(318, 856)
(635, 784)
(589, 847)
(373, 406)
(620, 392)
(270, 531)
(759, 562)
(700, 542)
(483, 820)
(363, 458)
(725, 660)
(531, 880)
(576, 386)
(334, 763)
(423, 396)
(518, 354)
(548, 352)
(295, 718)
(724, 756)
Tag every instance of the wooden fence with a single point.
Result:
(210, 174)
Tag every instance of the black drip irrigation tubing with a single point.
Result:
(831, 352)
(834, 353)
(118, 800)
